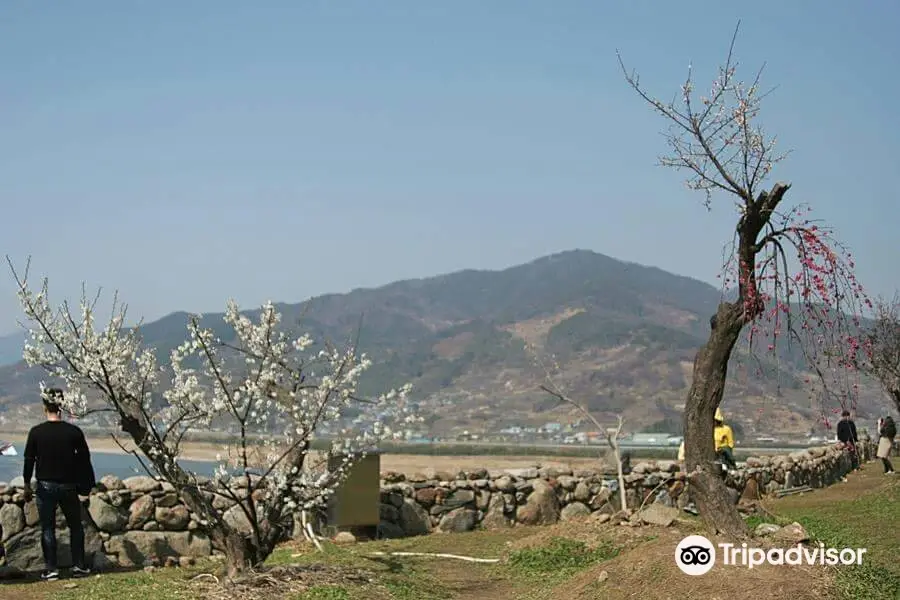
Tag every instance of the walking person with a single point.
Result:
(57, 453)
(846, 434)
(887, 432)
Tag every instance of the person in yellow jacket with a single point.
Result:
(724, 438)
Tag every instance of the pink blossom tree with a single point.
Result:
(794, 281)
(277, 392)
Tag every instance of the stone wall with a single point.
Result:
(135, 522)
(141, 521)
(463, 501)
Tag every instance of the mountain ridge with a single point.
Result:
(625, 336)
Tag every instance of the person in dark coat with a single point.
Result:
(57, 453)
(846, 434)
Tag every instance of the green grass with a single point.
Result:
(535, 569)
(162, 584)
(560, 558)
(326, 592)
(403, 579)
(868, 521)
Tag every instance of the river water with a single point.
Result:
(120, 465)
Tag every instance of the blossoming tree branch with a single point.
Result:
(794, 279)
(275, 391)
(882, 348)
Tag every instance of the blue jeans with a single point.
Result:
(49, 495)
(724, 454)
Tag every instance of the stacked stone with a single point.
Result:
(142, 522)
(463, 501)
(449, 502)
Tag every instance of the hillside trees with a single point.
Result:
(882, 344)
(276, 391)
(778, 257)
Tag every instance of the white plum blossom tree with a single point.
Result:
(274, 391)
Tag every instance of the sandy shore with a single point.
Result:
(401, 463)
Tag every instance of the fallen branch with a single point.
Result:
(653, 491)
(308, 531)
(439, 555)
(794, 490)
(612, 439)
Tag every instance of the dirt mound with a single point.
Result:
(650, 572)
(589, 530)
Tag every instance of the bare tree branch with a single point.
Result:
(881, 343)
(718, 140)
(612, 437)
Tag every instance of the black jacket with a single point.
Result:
(846, 432)
(57, 451)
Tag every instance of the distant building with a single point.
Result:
(647, 439)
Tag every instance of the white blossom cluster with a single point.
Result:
(286, 386)
(111, 360)
(275, 391)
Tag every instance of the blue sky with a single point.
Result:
(189, 152)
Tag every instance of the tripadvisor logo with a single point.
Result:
(696, 555)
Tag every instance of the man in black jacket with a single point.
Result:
(846, 433)
(61, 455)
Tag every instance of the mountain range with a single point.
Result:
(622, 335)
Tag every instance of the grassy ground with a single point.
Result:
(864, 512)
(578, 560)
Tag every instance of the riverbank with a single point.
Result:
(199, 451)
(408, 464)
(413, 458)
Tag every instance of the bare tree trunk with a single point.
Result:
(240, 551)
(708, 490)
(623, 497)
(614, 444)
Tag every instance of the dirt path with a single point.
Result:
(474, 582)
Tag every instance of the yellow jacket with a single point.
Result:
(723, 436)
